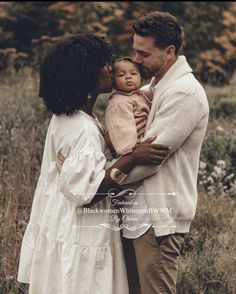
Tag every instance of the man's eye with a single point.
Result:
(144, 54)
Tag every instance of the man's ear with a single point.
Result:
(170, 51)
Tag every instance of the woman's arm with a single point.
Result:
(144, 154)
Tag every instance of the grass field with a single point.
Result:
(208, 263)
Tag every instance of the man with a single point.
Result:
(178, 117)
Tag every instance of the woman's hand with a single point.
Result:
(108, 141)
(59, 162)
(140, 125)
(148, 153)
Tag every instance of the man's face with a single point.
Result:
(153, 61)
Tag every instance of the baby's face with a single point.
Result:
(127, 76)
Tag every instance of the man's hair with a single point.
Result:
(70, 70)
(163, 27)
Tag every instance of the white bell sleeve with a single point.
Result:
(81, 176)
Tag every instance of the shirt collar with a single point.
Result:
(114, 91)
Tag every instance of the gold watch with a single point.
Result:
(117, 176)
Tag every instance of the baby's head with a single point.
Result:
(127, 77)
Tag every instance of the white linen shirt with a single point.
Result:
(178, 117)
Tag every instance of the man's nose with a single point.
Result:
(137, 58)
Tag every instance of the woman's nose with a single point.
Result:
(109, 68)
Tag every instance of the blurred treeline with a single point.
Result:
(28, 28)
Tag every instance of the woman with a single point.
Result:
(65, 250)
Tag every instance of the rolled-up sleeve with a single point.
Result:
(172, 125)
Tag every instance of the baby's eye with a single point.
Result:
(120, 75)
(134, 73)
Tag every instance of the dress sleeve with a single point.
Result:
(81, 176)
(121, 126)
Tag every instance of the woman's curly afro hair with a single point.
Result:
(70, 70)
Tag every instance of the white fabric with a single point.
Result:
(178, 117)
(63, 251)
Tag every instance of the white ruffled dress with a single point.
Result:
(64, 251)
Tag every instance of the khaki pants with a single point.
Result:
(152, 262)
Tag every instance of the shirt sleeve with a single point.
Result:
(172, 125)
(121, 126)
(81, 175)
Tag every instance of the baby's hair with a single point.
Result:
(125, 58)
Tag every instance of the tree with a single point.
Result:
(209, 28)
(22, 22)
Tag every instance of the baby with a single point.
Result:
(128, 108)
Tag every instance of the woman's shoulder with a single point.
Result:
(79, 129)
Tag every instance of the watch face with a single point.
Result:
(117, 175)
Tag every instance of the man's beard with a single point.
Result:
(145, 72)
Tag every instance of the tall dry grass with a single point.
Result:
(208, 263)
(22, 132)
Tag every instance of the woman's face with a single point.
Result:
(104, 83)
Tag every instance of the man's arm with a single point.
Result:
(172, 124)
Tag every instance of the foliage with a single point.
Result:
(10, 59)
(22, 134)
(220, 61)
(207, 264)
(23, 22)
(220, 182)
(212, 55)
